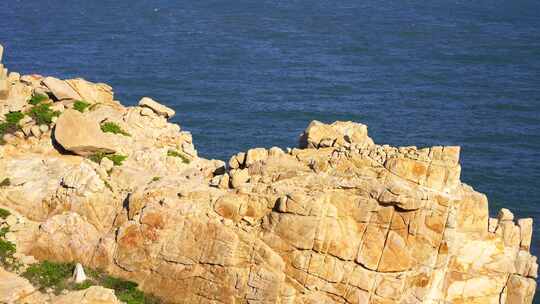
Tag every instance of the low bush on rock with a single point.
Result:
(7, 248)
(80, 105)
(57, 276)
(37, 99)
(4, 213)
(49, 275)
(43, 114)
(174, 153)
(111, 127)
(11, 124)
(117, 159)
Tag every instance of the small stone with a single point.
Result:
(14, 77)
(19, 134)
(106, 164)
(8, 138)
(44, 128)
(35, 130)
(27, 130)
(505, 215)
(11, 220)
(275, 151)
(25, 120)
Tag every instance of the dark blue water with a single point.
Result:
(242, 74)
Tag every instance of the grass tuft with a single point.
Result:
(111, 127)
(37, 99)
(80, 105)
(4, 213)
(117, 159)
(58, 277)
(49, 275)
(43, 114)
(174, 153)
(11, 124)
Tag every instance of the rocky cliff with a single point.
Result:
(339, 219)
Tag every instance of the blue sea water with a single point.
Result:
(244, 74)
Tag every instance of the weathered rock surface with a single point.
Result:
(339, 220)
(81, 135)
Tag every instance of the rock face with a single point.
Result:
(338, 220)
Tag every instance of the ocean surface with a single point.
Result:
(244, 74)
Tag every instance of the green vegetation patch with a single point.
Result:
(4, 214)
(117, 159)
(174, 153)
(43, 114)
(49, 275)
(57, 276)
(7, 250)
(37, 99)
(111, 127)
(80, 105)
(14, 117)
(11, 124)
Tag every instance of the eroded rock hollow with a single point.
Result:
(338, 220)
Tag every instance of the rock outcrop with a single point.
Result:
(338, 220)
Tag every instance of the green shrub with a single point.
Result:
(174, 153)
(49, 274)
(5, 182)
(117, 159)
(127, 291)
(111, 127)
(7, 249)
(43, 114)
(4, 213)
(37, 99)
(80, 105)
(14, 117)
(57, 276)
(3, 231)
(83, 285)
(156, 178)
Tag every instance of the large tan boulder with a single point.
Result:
(60, 89)
(92, 92)
(80, 134)
(340, 133)
(13, 287)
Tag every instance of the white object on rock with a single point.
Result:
(78, 274)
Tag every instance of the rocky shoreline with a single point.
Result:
(339, 219)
